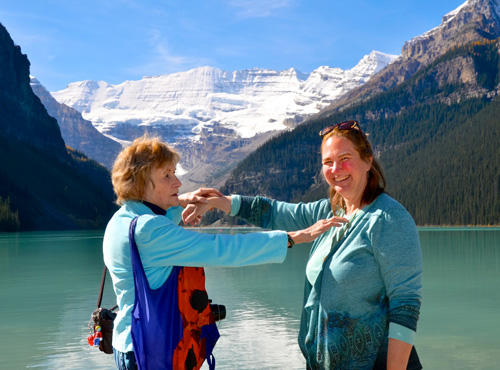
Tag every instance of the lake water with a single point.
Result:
(49, 283)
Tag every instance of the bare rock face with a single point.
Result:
(76, 131)
(48, 186)
(22, 117)
(475, 20)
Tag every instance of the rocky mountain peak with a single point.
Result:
(474, 20)
(471, 21)
(49, 186)
(77, 132)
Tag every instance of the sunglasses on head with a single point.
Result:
(347, 125)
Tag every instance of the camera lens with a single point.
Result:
(219, 311)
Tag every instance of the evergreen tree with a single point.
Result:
(9, 220)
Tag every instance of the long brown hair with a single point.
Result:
(376, 179)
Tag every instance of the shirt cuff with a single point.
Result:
(401, 333)
(235, 204)
(175, 214)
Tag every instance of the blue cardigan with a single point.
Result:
(163, 244)
(369, 287)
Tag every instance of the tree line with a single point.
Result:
(438, 142)
(9, 220)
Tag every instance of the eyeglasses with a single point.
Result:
(347, 125)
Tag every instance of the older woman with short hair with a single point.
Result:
(147, 187)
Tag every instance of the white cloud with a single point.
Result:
(163, 61)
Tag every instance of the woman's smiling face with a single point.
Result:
(344, 169)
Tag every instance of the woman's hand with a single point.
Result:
(312, 232)
(198, 196)
(193, 211)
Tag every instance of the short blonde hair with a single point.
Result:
(132, 168)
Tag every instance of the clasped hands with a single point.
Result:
(197, 203)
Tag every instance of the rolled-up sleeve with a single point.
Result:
(235, 204)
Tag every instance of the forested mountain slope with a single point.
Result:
(437, 136)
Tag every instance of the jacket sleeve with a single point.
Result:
(175, 214)
(162, 243)
(397, 249)
(275, 215)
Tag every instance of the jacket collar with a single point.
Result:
(153, 207)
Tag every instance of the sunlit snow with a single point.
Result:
(249, 101)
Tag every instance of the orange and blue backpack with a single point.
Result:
(173, 327)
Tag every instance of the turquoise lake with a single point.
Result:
(49, 282)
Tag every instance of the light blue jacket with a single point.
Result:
(369, 287)
(163, 244)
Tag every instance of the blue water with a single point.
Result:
(49, 283)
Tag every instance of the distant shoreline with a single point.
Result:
(418, 226)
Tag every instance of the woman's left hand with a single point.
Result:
(198, 196)
(193, 212)
(312, 232)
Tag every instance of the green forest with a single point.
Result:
(40, 192)
(9, 220)
(439, 144)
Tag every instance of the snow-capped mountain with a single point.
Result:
(249, 101)
(205, 106)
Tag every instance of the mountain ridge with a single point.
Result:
(76, 131)
(440, 157)
(228, 113)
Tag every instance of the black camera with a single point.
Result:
(218, 310)
(199, 300)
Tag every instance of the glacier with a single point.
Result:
(249, 101)
(209, 109)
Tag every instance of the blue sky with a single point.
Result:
(118, 40)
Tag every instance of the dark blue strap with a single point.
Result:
(210, 332)
(211, 362)
(157, 326)
(156, 320)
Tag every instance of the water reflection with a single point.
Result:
(49, 284)
(263, 306)
(459, 322)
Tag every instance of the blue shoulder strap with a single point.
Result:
(156, 321)
(157, 325)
